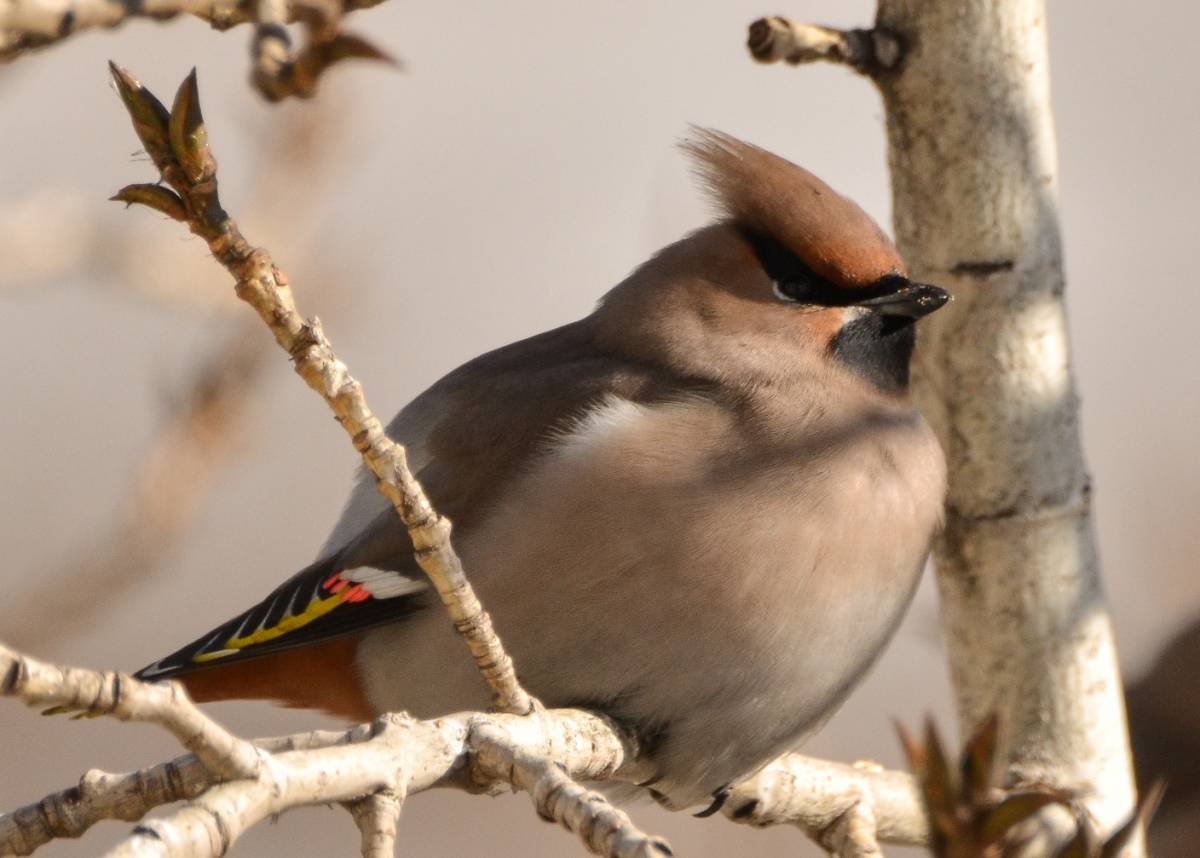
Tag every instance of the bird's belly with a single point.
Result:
(723, 616)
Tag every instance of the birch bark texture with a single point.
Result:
(973, 163)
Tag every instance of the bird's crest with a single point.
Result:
(765, 193)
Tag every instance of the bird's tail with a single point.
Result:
(298, 645)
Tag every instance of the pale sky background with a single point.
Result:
(521, 165)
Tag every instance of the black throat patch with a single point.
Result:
(879, 348)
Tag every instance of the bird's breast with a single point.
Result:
(798, 553)
(661, 563)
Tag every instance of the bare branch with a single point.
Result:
(866, 51)
(172, 478)
(123, 697)
(973, 164)
(129, 796)
(233, 783)
(832, 801)
(376, 817)
(853, 835)
(280, 72)
(178, 144)
(604, 829)
(100, 796)
(30, 24)
(49, 236)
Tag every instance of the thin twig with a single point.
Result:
(48, 237)
(177, 142)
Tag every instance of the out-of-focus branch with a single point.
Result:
(172, 478)
(279, 71)
(177, 142)
(866, 51)
(50, 236)
(29, 24)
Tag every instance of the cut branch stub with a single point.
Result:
(867, 51)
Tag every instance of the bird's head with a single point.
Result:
(794, 272)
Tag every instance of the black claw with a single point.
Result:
(660, 797)
(719, 798)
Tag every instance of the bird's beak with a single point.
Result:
(912, 301)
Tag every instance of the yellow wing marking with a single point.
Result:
(316, 608)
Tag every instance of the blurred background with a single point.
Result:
(521, 164)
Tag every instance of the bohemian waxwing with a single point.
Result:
(702, 509)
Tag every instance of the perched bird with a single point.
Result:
(702, 509)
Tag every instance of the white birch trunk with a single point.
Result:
(973, 162)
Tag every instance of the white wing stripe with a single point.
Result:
(383, 584)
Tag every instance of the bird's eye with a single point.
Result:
(791, 279)
(794, 289)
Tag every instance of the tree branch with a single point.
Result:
(119, 695)
(27, 25)
(177, 142)
(973, 163)
(278, 71)
(823, 798)
(234, 783)
(173, 477)
(376, 817)
(372, 767)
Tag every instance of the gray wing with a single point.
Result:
(467, 438)
(477, 428)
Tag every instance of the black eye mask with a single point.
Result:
(892, 295)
